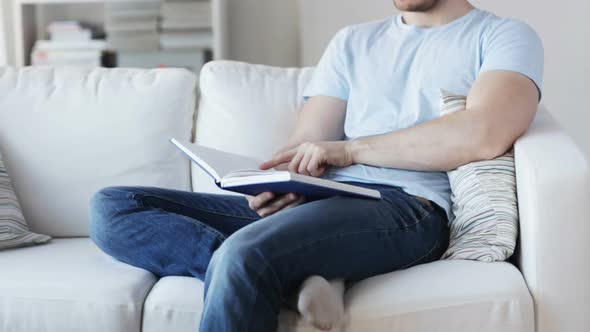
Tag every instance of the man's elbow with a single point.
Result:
(492, 145)
(491, 151)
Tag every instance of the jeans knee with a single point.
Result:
(103, 206)
(236, 259)
(240, 268)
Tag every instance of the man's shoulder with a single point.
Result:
(494, 25)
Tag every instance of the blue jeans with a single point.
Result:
(249, 265)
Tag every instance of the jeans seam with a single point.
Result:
(258, 274)
(140, 204)
(422, 257)
(219, 235)
(135, 195)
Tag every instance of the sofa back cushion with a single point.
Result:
(66, 133)
(14, 231)
(246, 109)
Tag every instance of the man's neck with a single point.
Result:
(444, 12)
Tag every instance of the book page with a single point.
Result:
(215, 162)
(247, 172)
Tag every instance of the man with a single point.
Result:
(371, 118)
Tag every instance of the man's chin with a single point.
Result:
(415, 5)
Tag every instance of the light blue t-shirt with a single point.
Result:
(390, 74)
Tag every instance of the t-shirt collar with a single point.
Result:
(402, 25)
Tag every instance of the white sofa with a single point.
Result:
(66, 133)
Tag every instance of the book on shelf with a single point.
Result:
(186, 15)
(185, 9)
(87, 58)
(187, 39)
(82, 35)
(132, 26)
(134, 5)
(58, 45)
(132, 9)
(68, 31)
(192, 60)
(133, 41)
(69, 44)
(167, 24)
(61, 26)
(241, 174)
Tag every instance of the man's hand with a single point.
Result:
(313, 158)
(308, 159)
(269, 203)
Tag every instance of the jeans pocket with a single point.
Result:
(424, 205)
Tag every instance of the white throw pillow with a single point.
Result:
(14, 231)
(484, 203)
(246, 109)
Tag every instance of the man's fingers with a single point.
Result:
(279, 158)
(260, 200)
(278, 204)
(297, 202)
(314, 166)
(319, 171)
(294, 164)
(302, 168)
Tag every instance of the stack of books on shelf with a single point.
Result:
(185, 24)
(192, 60)
(132, 26)
(69, 44)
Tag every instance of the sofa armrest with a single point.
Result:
(553, 181)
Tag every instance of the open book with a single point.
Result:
(241, 174)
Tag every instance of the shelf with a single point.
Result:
(26, 30)
(67, 2)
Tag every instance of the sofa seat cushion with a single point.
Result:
(70, 285)
(441, 296)
(174, 304)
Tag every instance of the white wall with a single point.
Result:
(562, 25)
(3, 56)
(264, 31)
(6, 34)
(321, 19)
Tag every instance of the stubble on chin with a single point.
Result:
(415, 5)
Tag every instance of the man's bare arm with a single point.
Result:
(320, 119)
(500, 107)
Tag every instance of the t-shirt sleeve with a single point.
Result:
(329, 77)
(513, 45)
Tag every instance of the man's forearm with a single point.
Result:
(438, 145)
